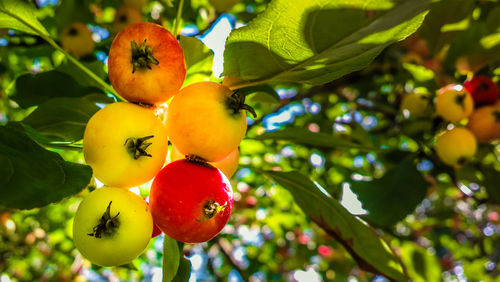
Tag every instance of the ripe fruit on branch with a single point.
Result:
(146, 64)
(112, 226)
(416, 104)
(191, 201)
(485, 123)
(455, 147)
(453, 103)
(482, 89)
(208, 120)
(124, 17)
(125, 144)
(228, 165)
(77, 39)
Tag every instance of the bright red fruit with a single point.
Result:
(191, 202)
(482, 89)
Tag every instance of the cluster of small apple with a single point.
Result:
(76, 38)
(474, 110)
(126, 144)
(477, 100)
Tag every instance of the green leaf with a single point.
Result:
(184, 271)
(316, 41)
(199, 60)
(20, 15)
(422, 265)
(35, 177)
(442, 13)
(171, 258)
(392, 197)
(369, 251)
(97, 67)
(63, 119)
(491, 180)
(34, 89)
(265, 89)
(309, 138)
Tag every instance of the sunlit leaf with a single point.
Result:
(20, 15)
(171, 258)
(316, 41)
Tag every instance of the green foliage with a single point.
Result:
(63, 119)
(38, 177)
(35, 89)
(171, 258)
(326, 79)
(306, 137)
(362, 243)
(21, 16)
(394, 196)
(294, 40)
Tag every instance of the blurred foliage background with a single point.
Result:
(448, 231)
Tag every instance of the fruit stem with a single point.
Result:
(107, 224)
(237, 102)
(496, 114)
(211, 208)
(178, 19)
(460, 100)
(136, 147)
(142, 56)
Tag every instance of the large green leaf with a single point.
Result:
(317, 41)
(63, 119)
(309, 138)
(20, 15)
(369, 251)
(34, 89)
(171, 258)
(32, 176)
(392, 197)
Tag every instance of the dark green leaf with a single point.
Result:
(442, 13)
(34, 89)
(35, 176)
(309, 138)
(62, 119)
(97, 67)
(70, 11)
(392, 197)
(20, 15)
(491, 180)
(184, 271)
(369, 251)
(316, 41)
(171, 258)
